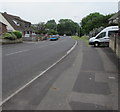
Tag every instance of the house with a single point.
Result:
(115, 18)
(114, 42)
(16, 23)
(3, 20)
(3, 28)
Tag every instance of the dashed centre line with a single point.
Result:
(28, 49)
(16, 52)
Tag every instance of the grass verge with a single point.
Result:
(84, 38)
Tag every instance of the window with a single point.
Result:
(110, 33)
(16, 23)
(101, 35)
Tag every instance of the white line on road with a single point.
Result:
(48, 45)
(23, 87)
(72, 48)
(111, 77)
(27, 50)
(16, 52)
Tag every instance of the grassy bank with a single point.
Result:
(84, 38)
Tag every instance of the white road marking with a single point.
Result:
(17, 52)
(36, 42)
(47, 45)
(72, 48)
(111, 77)
(23, 87)
(90, 78)
(28, 50)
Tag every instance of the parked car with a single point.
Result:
(103, 36)
(58, 36)
(54, 38)
(64, 35)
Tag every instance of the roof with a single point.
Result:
(3, 23)
(117, 15)
(12, 18)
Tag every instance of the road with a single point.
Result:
(85, 79)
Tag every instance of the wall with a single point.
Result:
(7, 41)
(2, 28)
(29, 39)
(114, 44)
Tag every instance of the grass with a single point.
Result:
(84, 38)
(75, 37)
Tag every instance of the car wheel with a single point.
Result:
(96, 44)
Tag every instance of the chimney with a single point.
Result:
(5, 12)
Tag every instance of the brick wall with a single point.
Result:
(3, 28)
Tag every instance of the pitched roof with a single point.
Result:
(3, 23)
(117, 15)
(11, 19)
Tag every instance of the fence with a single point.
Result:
(36, 38)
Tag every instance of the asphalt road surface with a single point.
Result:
(86, 79)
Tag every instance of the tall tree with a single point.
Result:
(67, 26)
(51, 27)
(39, 28)
(94, 20)
(51, 24)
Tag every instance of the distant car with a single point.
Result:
(64, 35)
(58, 36)
(54, 38)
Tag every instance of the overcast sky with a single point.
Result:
(36, 12)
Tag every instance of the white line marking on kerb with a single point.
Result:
(23, 87)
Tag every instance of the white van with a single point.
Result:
(103, 36)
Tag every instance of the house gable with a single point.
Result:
(3, 28)
(115, 18)
(3, 20)
(17, 23)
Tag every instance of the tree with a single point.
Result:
(51, 25)
(39, 28)
(67, 26)
(52, 32)
(94, 20)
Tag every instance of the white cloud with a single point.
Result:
(44, 11)
(59, 1)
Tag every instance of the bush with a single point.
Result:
(18, 34)
(52, 32)
(10, 36)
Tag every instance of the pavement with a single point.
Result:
(86, 79)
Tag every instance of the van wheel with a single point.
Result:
(96, 44)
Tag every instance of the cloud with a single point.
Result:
(44, 11)
(59, 1)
